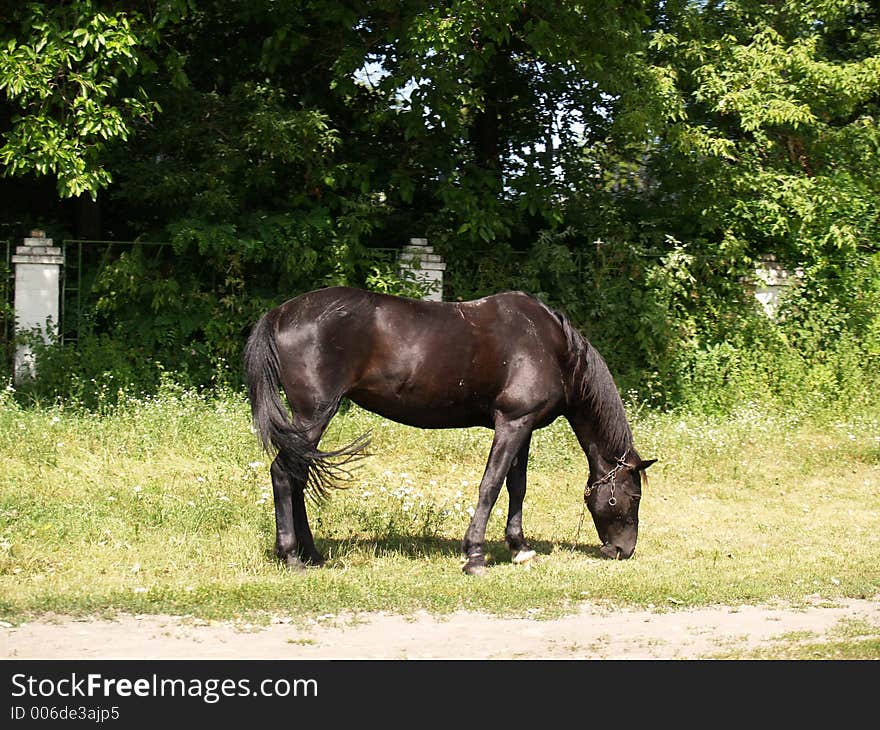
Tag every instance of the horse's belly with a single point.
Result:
(412, 410)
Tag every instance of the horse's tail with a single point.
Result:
(297, 456)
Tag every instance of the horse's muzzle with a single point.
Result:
(615, 552)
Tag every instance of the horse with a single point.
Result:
(506, 362)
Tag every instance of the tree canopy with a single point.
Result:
(627, 159)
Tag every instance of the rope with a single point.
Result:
(580, 524)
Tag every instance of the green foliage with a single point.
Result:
(65, 76)
(93, 374)
(628, 165)
(814, 355)
(147, 309)
(387, 277)
(777, 117)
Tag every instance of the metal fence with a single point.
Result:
(87, 260)
(7, 318)
(84, 263)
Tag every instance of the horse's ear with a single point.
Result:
(642, 465)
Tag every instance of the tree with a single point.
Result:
(773, 144)
(626, 159)
(769, 147)
(493, 99)
(68, 71)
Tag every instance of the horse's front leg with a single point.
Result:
(521, 551)
(508, 440)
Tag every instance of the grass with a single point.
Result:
(163, 505)
(850, 641)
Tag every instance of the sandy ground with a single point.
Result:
(591, 633)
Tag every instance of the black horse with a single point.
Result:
(505, 362)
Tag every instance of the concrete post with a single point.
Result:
(771, 282)
(419, 261)
(37, 295)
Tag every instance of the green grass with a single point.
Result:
(164, 505)
(851, 640)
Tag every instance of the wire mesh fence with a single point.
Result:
(7, 316)
(91, 264)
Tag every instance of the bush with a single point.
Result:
(678, 329)
(92, 373)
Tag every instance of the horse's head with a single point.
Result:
(612, 494)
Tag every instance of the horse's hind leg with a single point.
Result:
(305, 543)
(516, 488)
(285, 534)
(294, 543)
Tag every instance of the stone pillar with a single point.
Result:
(37, 295)
(418, 261)
(771, 282)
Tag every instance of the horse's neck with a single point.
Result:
(596, 410)
(588, 429)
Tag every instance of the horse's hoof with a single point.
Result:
(477, 569)
(292, 562)
(523, 556)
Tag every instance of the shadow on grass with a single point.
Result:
(416, 546)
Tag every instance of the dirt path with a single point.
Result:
(592, 633)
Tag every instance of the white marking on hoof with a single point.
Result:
(523, 556)
(477, 570)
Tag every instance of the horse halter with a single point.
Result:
(609, 478)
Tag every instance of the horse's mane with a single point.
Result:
(593, 388)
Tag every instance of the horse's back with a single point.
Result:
(425, 363)
(344, 306)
